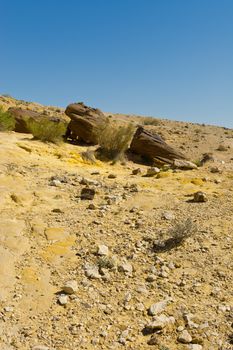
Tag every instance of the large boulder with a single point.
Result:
(153, 147)
(85, 122)
(21, 117)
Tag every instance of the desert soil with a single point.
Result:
(49, 235)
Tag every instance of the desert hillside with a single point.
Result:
(100, 256)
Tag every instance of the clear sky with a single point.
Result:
(167, 58)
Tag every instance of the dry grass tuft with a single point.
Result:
(114, 139)
(47, 130)
(177, 235)
(89, 156)
(151, 121)
(7, 122)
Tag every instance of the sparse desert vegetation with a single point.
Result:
(7, 122)
(97, 255)
(46, 130)
(114, 139)
(151, 121)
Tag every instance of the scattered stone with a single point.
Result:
(92, 271)
(63, 299)
(88, 182)
(184, 164)
(102, 250)
(112, 176)
(217, 181)
(136, 171)
(157, 307)
(111, 199)
(140, 307)
(215, 170)
(151, 278)
(168, 215)
(57, 210)
(40, 347)
(92, 206)
(127, 268)
(207, 157)
(222, 148)
(61, 179)
(152, 171)
(195, 347)
(200, 197)
(87, 193)
(153, 340)
(70, 287)
(8, 308)
(184, 337)
(158, 322)
(55, 183)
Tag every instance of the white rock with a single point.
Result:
(159, 322)
(184, 164)
(157, 307)
(91, 271)
(127, 268)
(8, 308)
(152, 171)
(195, 347)
(56, 183)
(63, 299)
(102, 250)
(168, 215)
(184, 337)
(40, 347)
(140, 307)
(70, 287)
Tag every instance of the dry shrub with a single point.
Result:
(89, 156)
(151, 121)
(176, 236)
(47, 130)
(7, 122)
(114, 139)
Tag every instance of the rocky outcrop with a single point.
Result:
(153, 147)
(85, 122)
(21, 117)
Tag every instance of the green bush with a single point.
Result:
(114, 139)
(47, 130)
(7, 122)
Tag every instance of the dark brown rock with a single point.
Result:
(87, 193)
(153, 147)
(85, 122)
(21, 117)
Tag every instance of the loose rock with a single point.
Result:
(63, 299)
(157, 308)
(92, 271)
(152, 171)
(70, 287)
(87, 193)
(200, 197)
(102, 250)
(184, 337)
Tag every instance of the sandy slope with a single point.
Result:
(47, 235)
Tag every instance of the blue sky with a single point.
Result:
(167, 58)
